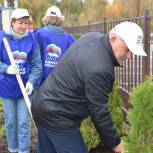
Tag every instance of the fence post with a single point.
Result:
(105, 25)
(0, 18)
(89, 27)
(147, 42)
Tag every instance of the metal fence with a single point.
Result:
(133, 71)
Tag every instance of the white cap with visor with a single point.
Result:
(20, 13)
(54, 11)
(132, 35)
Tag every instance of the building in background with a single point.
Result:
(5, 13)
(11, 3)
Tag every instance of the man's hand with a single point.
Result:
(119, 149)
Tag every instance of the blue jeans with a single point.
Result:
(17, 124)
(57, 142)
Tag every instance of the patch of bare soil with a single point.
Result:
(101, 149)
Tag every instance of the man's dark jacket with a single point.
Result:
(78, 87)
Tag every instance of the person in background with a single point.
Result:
(26, 52)
(53, 40)
(30, 24)
(79, 87)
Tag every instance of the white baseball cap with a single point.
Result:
(54, 11)
(132, 35)
(20, 13)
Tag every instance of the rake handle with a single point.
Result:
(19, 79)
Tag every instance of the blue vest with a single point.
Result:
(52, 47)
(22, 50)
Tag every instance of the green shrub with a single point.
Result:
(2, 129)
(1, 108)
(77, 35)
(140, 136)
(89, 133)
(115, 105)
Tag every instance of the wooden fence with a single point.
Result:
(133, 71)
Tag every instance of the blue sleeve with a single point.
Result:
(71, 39)
(35, 32)
(36, 66)
(3, 67)
(37, 37)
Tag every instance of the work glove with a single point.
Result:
(12, 69)
(29, 88)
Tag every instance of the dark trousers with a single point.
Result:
(57, 142)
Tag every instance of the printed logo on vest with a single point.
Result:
(52, 55)
(20, 59)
